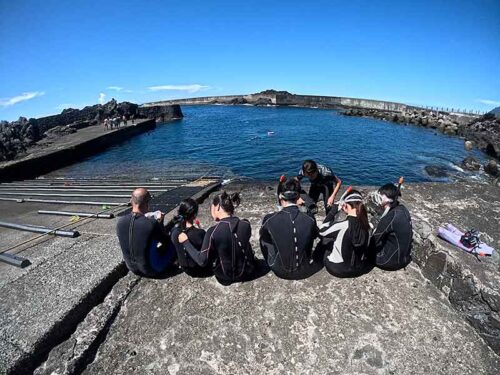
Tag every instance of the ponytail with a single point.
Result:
(188, 210)
(227, 202)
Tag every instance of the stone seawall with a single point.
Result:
(70, 149)
(271, 97)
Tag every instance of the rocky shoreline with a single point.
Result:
(483, 132)
(17, 137)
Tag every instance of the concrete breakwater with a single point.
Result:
(284, 98)
(70, 149)
(18, 136)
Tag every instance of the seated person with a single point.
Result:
(184, 223)
(226, 245)
(144, 241)
(391, 242)
(287, 236)
(346, 242)
(323, 182)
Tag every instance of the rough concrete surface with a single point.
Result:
(42, 304)
(380, 323)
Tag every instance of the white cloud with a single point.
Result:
(489, 102)
(119, 89)
(7, 102)
(102, 98)
(188, 88)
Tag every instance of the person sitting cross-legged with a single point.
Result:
(144, 241)
(287, 236)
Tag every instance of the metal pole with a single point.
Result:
(85, 203)
(68, 195)
(81, 214)
(90, 186)
(14, 260)
(36, 229)
(70, 190)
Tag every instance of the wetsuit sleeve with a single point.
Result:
(331, 230)
(330, 217)
(383, 228)
(331, 178)
(201, 257)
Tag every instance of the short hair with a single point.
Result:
(309, 166)
(140, 197)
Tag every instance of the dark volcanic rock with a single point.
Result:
(436, 171)
(491, 167)
(471, 163)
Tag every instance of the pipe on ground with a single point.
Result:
(39, 229)
(81, 214)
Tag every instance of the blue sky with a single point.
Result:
(55, 54)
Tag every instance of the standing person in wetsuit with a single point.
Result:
(323, 182)
(391, 242)
(287, 236)
(226, 245)
(184, 223)
(144, 241)
(346, 242)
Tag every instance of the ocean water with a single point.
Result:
(265, 142)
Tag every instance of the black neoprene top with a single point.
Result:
(226, 245)
(195, 237)
(392, 240)
(291, 234)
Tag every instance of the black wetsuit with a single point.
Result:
(346, 245)
(226, 245)
(323, 184)
(392, 240)
(195, 237)
(139, 238)
(286, 241)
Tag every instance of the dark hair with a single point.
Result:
(361, 213)
(292, 189)
(309, 166)
(227, 202)
(188, 209)
(391, 191)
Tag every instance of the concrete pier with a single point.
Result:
(68, 149)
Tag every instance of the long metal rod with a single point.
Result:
(91, 186)
(80, 214)
(84, 203)
(67, 195)
(70, 189)
(14, 260)
(36, 229)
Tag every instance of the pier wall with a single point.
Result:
(82, 146)
(287, 99)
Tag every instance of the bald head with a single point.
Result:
(140, 199)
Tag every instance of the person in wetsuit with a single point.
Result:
(287, 236)
(144, 241)
(323, 182)
(184, 223)
(346, 242)
(226, 245)
(391, 242)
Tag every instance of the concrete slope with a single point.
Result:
(381, 323)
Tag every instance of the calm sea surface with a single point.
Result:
(265, 142)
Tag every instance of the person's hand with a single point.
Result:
(183, 237)
(161, 216)
(330, 200)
